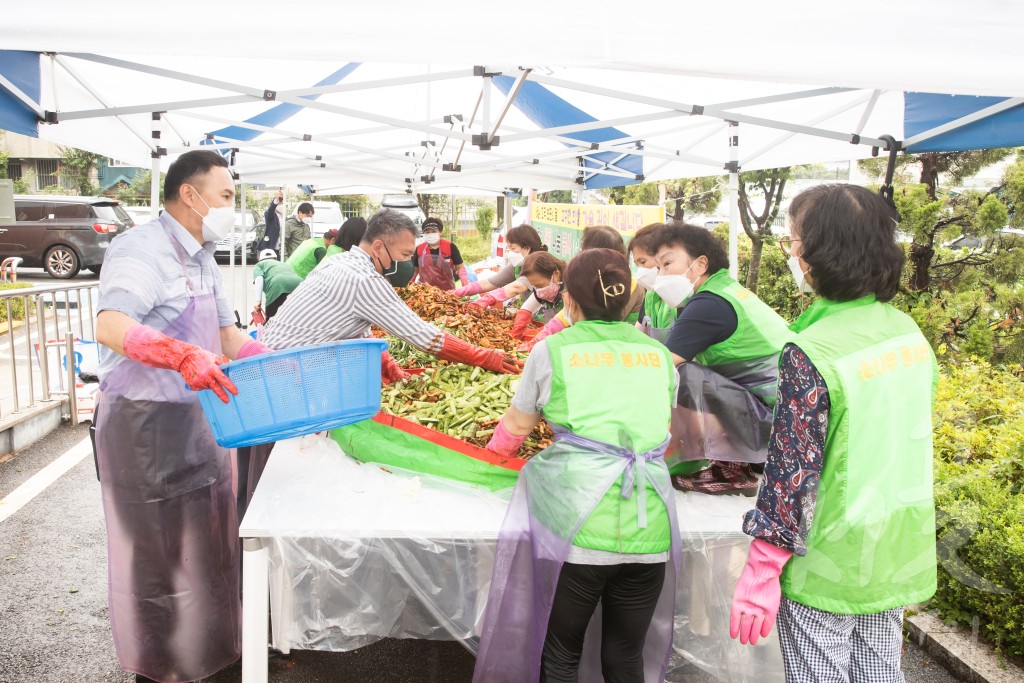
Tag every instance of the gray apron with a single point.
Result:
(172, 533)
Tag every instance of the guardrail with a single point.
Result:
(52, 317)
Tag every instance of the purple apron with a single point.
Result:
(436, 270)
(544, 516)
(172, 533)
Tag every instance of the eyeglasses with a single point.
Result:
(787, 244)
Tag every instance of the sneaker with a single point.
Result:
(722, 478)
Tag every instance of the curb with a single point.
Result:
(960, 653)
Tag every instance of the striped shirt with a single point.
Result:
(340, 299)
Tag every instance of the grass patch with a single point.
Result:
(17, 303)
(473, 247)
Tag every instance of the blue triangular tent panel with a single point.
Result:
(280, 113)
(21, 69)
(925, 111)
(548, 110)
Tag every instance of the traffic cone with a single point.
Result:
(500, 248)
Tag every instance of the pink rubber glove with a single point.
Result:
(553, 326)
(503, 442)
(491, 298)
(389, 370)
(755, 604)
(468, 290)
(463, 275)
(523, 319)
(252, 348)
(197, 365)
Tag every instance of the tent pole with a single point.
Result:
(245, 249)
(231, 241)
(734, 198)
(154, 170)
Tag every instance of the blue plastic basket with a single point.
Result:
(289, 393)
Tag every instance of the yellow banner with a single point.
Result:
(561, 225)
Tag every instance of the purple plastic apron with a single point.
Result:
(172, 533)
(544, 516)
(436, 270)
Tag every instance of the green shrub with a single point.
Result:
(17, 303)
(484, 220)
(978, 492)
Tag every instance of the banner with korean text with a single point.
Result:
(561, 225)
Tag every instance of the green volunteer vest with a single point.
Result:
(278, 279)
(303, 259)
(753, 349)
(661, 314)
(334, 249)
(872, 544)
(607, 378)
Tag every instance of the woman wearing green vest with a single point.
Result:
(656, 317)
(546, 275)
(592, 518)
(726, 343)
(310, 253)
(844, 528)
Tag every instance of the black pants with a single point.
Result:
(628, 594)
(278, 302)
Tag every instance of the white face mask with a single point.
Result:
(799, 275)
(431, 238)
(646, 276)
(674, 289)
(217, 222)
(514, 258)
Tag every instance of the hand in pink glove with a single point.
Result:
(492, 298)
(468, 290)
(755, 604)
(197, 365)
(504, 442)
(252, 348)
(389, 369)
(553, 326)
(464, 275)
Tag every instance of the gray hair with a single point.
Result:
(387, 224)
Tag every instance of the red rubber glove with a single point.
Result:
(504, 442)
(468, 290)
(523, 319)
(252, 348)
(755, 604)
(197, 365)
(455, 349)
(389, 370)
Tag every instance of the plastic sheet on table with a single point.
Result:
(361, 552)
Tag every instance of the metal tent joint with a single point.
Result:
(732, 166)
(485, 141)
(269, 95)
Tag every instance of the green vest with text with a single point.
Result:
(750, 356)
(871, 546)
(303, 259)
(607, 378)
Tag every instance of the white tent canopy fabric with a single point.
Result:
(803, 81)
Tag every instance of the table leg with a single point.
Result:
(255, 607)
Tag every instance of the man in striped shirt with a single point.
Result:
(348, 292)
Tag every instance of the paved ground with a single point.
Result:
(53, 606)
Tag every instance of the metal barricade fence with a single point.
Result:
(42, 324)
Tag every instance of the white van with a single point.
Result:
(326, 216)
(406, 204)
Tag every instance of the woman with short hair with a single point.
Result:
(592, 518)
(508, 282)
(844, 528)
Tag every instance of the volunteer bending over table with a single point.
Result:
(726, 343)
(508, 282)
(594, 237)
(544, 273)
(348, 293)
(592, 518)
(844, 529)
(172, 534)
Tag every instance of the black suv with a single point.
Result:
(62, 234)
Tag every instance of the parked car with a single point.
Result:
(139, 214)
(62, 234)
(326, 216)
(247, 237)
(406, 204)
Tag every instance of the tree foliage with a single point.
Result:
(684, 195)
(75, 167)
(767, 188)
(138, 193)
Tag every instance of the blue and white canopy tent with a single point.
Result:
(356, 99)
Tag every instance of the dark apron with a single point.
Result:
(172, 533)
